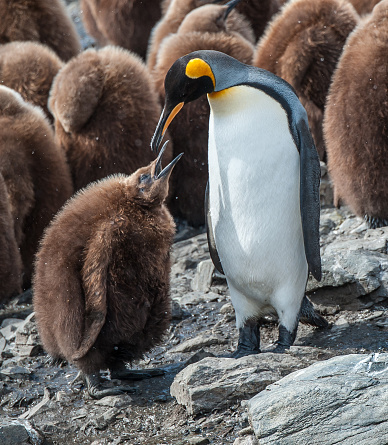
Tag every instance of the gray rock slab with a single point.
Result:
(202, 340)
(217, 382)
(203, 276)
(18, 432)
(197, 297)
(343, 400)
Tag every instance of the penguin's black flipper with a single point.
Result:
(310, 176)
(210, 236)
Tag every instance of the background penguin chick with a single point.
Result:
(126, 23)
(169, 24)
(35, 172)
(302, 45)
(44, 21)
(364, 6)
(29, 68)
(106, 109)
(355, 125)
(259, 13)
(101, 283)
(10, 261)
(189, 130)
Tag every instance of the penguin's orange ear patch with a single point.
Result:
(197, 68)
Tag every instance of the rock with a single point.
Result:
(198, 356)
(11, 322)
(120, 401)
(203, 277)
(215, 383)
(348, 273)
(37, 408)
(199, 342)
(15, 372)
(9, 326)
(197, 297)
(326, 188)
(195, 440)
(247, 440)
(27, 342)
(343, 400)
(18, 432)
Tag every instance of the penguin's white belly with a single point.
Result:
(254, 198)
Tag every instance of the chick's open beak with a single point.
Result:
(165, 173)
(165, 119)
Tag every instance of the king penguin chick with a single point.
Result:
(364, 7)
(259, 13)
(126, 23)
(169, 24)
(302, 45)
(263, 196)
(189, 131)
(29, 68)
(44, 21)
(105, 108)
(35, 173)
(10, 260)
(355, 125)
(101, 283)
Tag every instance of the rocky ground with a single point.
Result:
(38, 403)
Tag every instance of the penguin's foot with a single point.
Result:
(92, 382)
(248, 341)
(285, 340)
(124, 373)
(308, 315)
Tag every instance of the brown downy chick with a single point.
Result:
(356, 121)
(101, 283)
(35, 173)
(44, 21)
(189, 130)
(29, 68)
(10, 260)
(364, 6)
(302, 45)
(106, 109)
(126, 23)
(259, 13)
(169, 23)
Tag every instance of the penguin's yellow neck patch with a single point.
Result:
(197, 68)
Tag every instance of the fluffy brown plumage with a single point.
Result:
(356, 121)
(259, 13)
(44, 21)
(126, 23)
(176, 11)
(106, 109)
(101, 283)
(364, 6)
(35, 173)
(10, 261)
(302, 45)
(189, 130)
(29, 68)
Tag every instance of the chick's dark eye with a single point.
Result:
(144, 177)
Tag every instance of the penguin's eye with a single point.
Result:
(144, 177)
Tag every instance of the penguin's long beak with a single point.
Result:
(166, 117)
(230, 6)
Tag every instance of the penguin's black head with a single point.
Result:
(189, 78)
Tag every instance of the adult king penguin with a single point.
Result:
(263, 195)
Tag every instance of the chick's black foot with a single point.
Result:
(92, 382)
(248, 341)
